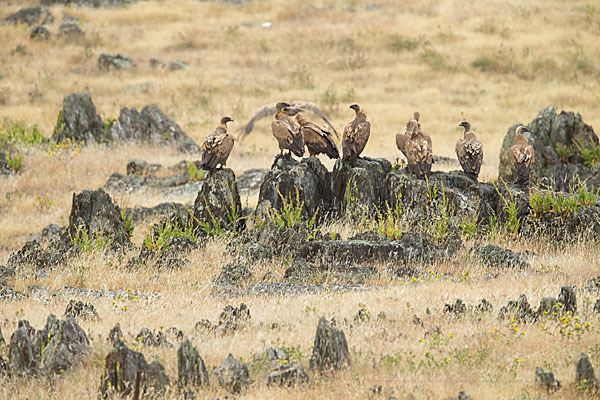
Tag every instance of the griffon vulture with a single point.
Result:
(356, 135)
(217, 146)
(469, 151)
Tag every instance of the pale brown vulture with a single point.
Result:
(317, 139)
(469, 151)
(521, 157)
(356, 135)
(418, 151)
(287, 131)
(217, 146)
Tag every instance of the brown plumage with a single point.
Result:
(356, 135)
(469, 151)
(295, 106)
(217, 146)
(317, 139)
(521, 157)
(287, 131)
(418, 151)
(401, 138)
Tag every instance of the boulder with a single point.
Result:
(30, 16)
(64, 343)
(120, 61)
(546, 380)
(41, 33)
(79, 309)
(519, 310)
(191, 371)
(547, 306)
(78, 121)
(233, 375)
(231, 278)
(330, 349)
(457, 308)
(551, 131)
(94, 214)
(360, 188)
(152, 339)
(585, 378)
(492, 255)
(218, 206)
(70, 29)
(7, 293)
(151, 126)
(295, 184)
(289, 374)
(250, 180)
(568, 299)
(115, 336)
(22, 359)
(306, 272)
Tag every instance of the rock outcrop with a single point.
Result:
(191, 371)
(330, 349)
(79, 122)
(30, 16)
(233, 375)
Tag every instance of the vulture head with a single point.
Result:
(281, 105)
(416, 116)
(355, 107)
(413, 127)
(225, 120)
(523, 131)
(466, 125)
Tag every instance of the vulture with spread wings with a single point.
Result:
(295, 107)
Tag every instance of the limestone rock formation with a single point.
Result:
(330, 349)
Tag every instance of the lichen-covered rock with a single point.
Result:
(30, 16)
(191, 371)
(93, 213)
(218, 205)
(568, 299)
(547, 306)
(457, 308)
(330, 349)
(78, 121)
(115, 336)
(585, 377)
(64, 343)
(551, 131)
(495, 256)
(303, 184)
(40, 33)
(305, 272)
(120, 61)
(88, 3)
(151, 126)
(519, 310)
(70, 30)
(359, 188)
(233, 375)
(152, 339)
(546, 380)
(79, 309)
(289, 374)
(7, 293)
(232, 276)
(22, 359)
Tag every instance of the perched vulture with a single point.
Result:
(521, 157)
(418, 151)
(469, 151)
(295, 107)
(317, 139)
(217, 146)
(356, 135)
(401, 138)
(287, 131)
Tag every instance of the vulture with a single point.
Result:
(295, 107)
(402, 138)
(356, 135)
(521, 157)
(418, 150)
(317, 139)
(469, 151)
(217, 146)
(287, 131)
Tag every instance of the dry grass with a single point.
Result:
(495, 63)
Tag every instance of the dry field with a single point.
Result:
(494, 63)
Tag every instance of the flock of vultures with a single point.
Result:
(293, 134)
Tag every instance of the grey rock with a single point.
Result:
(231, 2)
(22, 359)
(306, 272)
(115, 336)
(250, 180)
(547, 306)
(2, 341)
(330, 349)
(457, 308)
(568, 299)
(520, 310)
(157, 380)
(170, 186)
(64, 343)
(177, 65)
(89, 3)
(162, 211)
(151, 126)
(120, 61)
(549, 130)
(299, 183)
(5, 169)
(233, 375)
(286, 288)
(597, 306)
(79, 309)
(7, 293)
(78, 121)
(40, 32)
(291, 374)
(373, 7)
(94, 213)
(584, 373)
(231, 277)
(70, 29)
(152, 339)
(156, 63)
(30, 16)
(191, 371)
(546, 380)
(462, 395)
(495, 256)
(218, 205)
(122, 367)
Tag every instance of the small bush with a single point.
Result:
(100, 241)
(196, 174)
(564, 152)
(590, 152)
(160, 235)
(18, 134)
(398, 43)
(14, 162)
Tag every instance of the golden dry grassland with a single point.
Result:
(493, 62)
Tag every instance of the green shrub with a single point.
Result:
(590, 153)
(196, 174)
(564, 152)
(87, 243)
(17, 133)
(14, 162)
(160, 235)
(291, 214)
(397, 44)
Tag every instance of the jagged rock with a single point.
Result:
(115, 336)
(78, 121)
(7, 293)
(94, 213)
(462, 395)
(79, 309)
(150, 339)
(495, 256)
(584, 373)
(2, 341)
(151, 126)
(30, 16)
(250, 180)
(359, 188)
(22, 359)
(520, 310)
(546, 380)
(288, 375)
(70, 29)
(123, 366)
(191, 371)
(120, 61)
(550, 131)
(218, 205)
(304, 272)
(294, 183)
(40, 33)
(63, 342)
(171, 186)
(547, 306)
(568, 299)
(286, 288)
(597, 306)
(330, 349)
(162, 210)
(177, 65)
(233, 375)
(483, 306)
(231, 278)
(457, 308)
